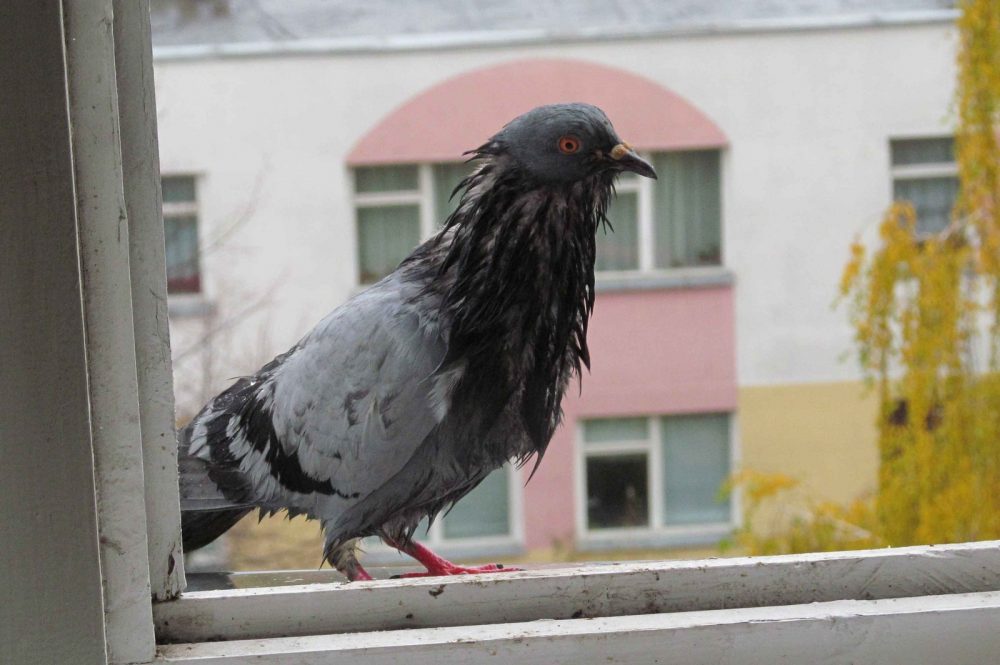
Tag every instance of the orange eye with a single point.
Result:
(569, 145)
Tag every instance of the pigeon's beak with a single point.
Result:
(628, 160)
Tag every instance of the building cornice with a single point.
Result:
(480, 39)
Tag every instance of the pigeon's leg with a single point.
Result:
(436, 566)
(345, 560)
(356, 573)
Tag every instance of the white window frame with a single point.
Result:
(656, 534)
(422, 197)
(912, 172)
(514, 537)
(187, 302)
(918, 604)
(182, 208)
(921, 171)
(643, 188)
(924, 171)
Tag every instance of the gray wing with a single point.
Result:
(356, 398)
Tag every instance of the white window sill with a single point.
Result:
(678, 278)
(954, 628)
(592, 591)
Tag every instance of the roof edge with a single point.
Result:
(458, 40)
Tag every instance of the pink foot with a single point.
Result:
(437, 567)
(453, 569)
(359, 574)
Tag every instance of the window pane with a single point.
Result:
(616, 429)
(181, 244)
(688, 209)
(385, 236)
(483, 511)
(923, 151)
(932, 198)
(178, 189)
(617, 491)
(695, 464)
(446, 178)
(619, 250)
(400, 178)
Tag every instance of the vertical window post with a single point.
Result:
(110, 339)
(51, 600)
(141, 182)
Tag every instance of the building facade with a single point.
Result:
(298, 170)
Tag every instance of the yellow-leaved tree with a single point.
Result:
(926, 313)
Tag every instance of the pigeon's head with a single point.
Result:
(563, 143)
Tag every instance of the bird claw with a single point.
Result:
(452, 569)
(439, 567)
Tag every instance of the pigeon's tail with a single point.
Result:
(214, 492)
(206, 514)
(199, 528)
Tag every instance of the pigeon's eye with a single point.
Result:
(569, 145)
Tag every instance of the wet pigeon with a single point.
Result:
(408, 395)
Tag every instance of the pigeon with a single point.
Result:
(404, 398)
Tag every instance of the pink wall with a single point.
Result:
(654, 352)
(460, 113)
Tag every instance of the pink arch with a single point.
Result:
(442, 122)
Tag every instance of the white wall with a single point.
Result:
(808, 115)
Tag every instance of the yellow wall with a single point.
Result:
(822, 434)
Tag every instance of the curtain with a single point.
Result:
(688, 209)
(396, 178)
(619, 250)
(695, 464)
(181, 244)
(386, 234)
(483, 511)
(932, 198)
(446, 178)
